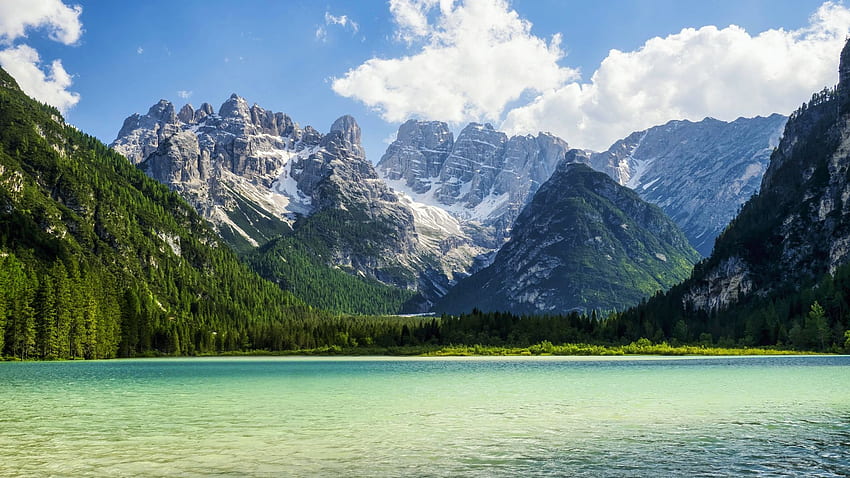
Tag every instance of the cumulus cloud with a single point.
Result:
(45, 83)
(411, 17)
(24, 64)
(61, 21)
(474, 59)
(723, 73)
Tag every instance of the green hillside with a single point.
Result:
(98, 260)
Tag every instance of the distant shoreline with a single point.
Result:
(545, 349)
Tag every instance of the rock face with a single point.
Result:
(256, 174)
(798, 227)
(698, 173)
(234, 167)
(583, 242)
(483, 177)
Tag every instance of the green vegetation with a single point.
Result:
(297, 268)
(641, 347)
(545, 348)
(598, 245)
(801, 304)
(812, 317)
(97, 260)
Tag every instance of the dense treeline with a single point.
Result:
(816, 317)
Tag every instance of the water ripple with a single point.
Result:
(270, 417)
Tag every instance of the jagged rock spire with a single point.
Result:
(844, 70)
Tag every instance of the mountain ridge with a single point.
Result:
(700, 173)
(583, 243)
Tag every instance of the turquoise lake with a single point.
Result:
(542, 416)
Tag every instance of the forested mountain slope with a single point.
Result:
(98, 260)
(583, 243)
(779, 273)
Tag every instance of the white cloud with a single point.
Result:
(24, 64)
(411, 18)
(61, 21)
(342, 20)
(184, 94)
(140, 50)
(724, 73)
(475, 58)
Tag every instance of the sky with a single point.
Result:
(590, 72)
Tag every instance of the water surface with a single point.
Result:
(427, 417)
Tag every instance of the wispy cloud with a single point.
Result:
(184, 94)
(341, 20)
(140, 50)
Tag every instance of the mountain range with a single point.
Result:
(105, 254)
(98, 260)
(699, 173)
(432, 211)
(779, 273)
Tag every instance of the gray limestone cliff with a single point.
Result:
(256, 174)
(699, 173)
(483, 177)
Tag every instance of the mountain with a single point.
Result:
(699, 173)
(798, 227)
(780, 272)
(273, 190)
(98, 260)
(583, 242)
(482, 178)
(233, 166)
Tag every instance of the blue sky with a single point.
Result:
(319, 60)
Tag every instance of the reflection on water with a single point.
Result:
(439, 417)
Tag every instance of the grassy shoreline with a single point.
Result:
(540, 349)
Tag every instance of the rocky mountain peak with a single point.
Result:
(572, 157)
(350, 131)
(482, 177)
(203, 111)
(418, 153)
(163, 111)
(187, 113)
(235, 107)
